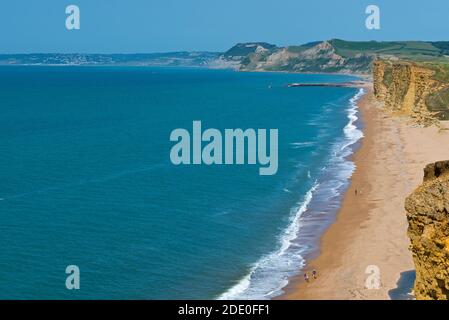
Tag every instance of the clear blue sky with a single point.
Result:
(125, 26)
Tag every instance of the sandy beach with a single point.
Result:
(371, 225)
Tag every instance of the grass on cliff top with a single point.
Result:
(439, 65)
(396, 48)
(439, 101)
(441, 70)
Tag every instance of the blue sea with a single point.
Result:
(86, 180)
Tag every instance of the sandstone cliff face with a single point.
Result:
(428, 216)
(404, 88)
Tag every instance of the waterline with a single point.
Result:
(271, 274)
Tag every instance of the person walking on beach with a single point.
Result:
(306, 277)
(355, 191)
(314, 274)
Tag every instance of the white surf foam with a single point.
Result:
(297, 145)
(351, 131)
(272, 272)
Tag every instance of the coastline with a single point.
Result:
(371, 226)
(300, 239)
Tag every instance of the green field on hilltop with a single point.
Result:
(410, 49)
(441, 70)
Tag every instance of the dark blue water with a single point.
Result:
(86, 180)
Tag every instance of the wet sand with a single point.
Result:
(371, 226)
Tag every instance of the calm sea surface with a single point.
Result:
(86, 180)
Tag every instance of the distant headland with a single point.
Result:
(321, 56)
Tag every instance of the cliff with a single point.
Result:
(411, 78)
(405, 88)
(311, 57)
(428, 217)
(333, 55)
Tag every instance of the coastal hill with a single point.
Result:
(336, 55)
(242, 50)
(410, 77)
(173, 59)
(428, 216)
(321, 56)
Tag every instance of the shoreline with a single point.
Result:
(300, 239)
(370, 227)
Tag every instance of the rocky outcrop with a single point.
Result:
(313, 57)
(428, 217)
(404, 88)
(338, 56)
(404, 81)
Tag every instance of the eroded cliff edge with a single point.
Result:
(428, 217)
(412, 89)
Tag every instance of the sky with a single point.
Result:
(143, 26)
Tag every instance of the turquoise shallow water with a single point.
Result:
(86, 179)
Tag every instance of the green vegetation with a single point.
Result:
(297, 49)
(352, 48)
(388, 76)
(244, 49)
(441, 69)
(439, 102)
(405, 49)
(443, 46)
(355, 57)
